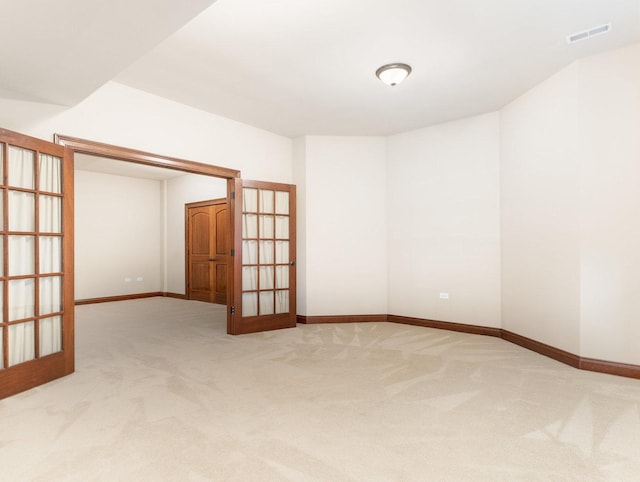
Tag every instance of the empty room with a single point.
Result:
(356, 240)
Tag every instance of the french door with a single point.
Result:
(36, 272)
(264, 282)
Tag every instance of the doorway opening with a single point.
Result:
(144, 159)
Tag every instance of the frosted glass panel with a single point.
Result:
(249, 226)
(21, 255)
(1, 205)
(282, 202)
(50, 254)
(249, 252)
(21, 343)
(50, 335)
(282, 252)
(50, 295)
(266, 226)
(21, 299)
(22, 211)
(50, 173)
(249, 278)
(266, 252)
(266, 303)
(282, 301)
(21, 163)
(266, 201)
(249, 200)
(249, 304)
(282, 276)
(50, 214)
(282, 227)
(1, 257)
(267, 274)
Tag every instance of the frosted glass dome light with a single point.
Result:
(393, 74)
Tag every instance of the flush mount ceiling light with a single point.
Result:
(393, 74)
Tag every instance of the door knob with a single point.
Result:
(212, 259)
(293, 263)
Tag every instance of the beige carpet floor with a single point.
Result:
(162, 393)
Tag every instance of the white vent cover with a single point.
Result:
(592, 32)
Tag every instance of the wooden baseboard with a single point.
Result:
(589, 364)
(174, 295)
(312, 320)
(107, 299)
(611, 368)
(542, 348)
(445, 325)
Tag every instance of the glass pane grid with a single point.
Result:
(31, 311)
(265, 252)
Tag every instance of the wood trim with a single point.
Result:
(177, 296)
(445, 325)
(210, 202)
(25, 376)
(234, 286)
(108, 299)
(141, 157)
(314, 320)
(610, 368)
(542, 348)
(15, 138)
(68, 257)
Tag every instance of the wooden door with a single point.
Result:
(264, 291)
(36, 272)
(207, 254)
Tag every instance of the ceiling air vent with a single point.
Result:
(592, 32)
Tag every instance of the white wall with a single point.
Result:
(118, 235)
(344, 221)
(540, 192)
(609, 205)
(120, 115)
(178, 192)
(570, 198)
(300, 180)
(444, 222)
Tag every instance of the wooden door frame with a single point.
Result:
(84, 146)
(210, 202)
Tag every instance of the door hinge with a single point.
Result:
(233, 195)
(233, 310)
(233, 252)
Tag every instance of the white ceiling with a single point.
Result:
(61, 51)
(299, 67)
(308, 67)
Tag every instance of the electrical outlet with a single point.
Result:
(444, 296)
